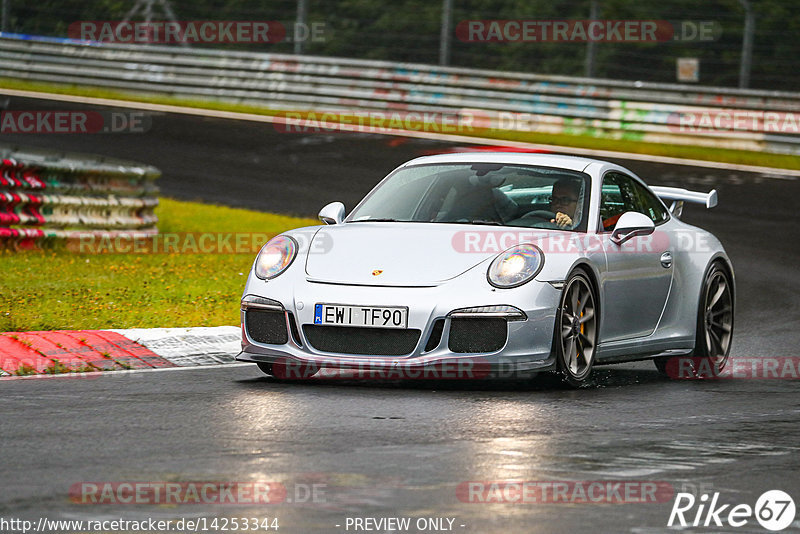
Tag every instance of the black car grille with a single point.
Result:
(358, 340)
(266, 326)
(477, 334)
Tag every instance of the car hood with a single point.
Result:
(394, 254)
(399, 254)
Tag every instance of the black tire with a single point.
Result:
(577, 330)
(661, 364)
(714, 330)
(284, 370)
(265, 367)
(715, 318)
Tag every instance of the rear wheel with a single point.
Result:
(714, 324)
(661, 364)
(715, 318)
(576, 330)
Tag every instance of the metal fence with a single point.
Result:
(659, 113)
(48, 196)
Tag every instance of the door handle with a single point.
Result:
(666, 260)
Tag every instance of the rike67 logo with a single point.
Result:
(774, 510)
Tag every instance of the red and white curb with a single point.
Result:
(83, 351)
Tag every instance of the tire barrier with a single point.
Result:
(640, 111)
(48, 197)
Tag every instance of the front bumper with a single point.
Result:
(527, 350)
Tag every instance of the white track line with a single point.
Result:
(770, 172)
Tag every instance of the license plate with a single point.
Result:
(369, 316)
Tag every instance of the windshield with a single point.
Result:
(480, 193)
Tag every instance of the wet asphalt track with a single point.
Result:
(403, 449)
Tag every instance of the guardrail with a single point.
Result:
(661, 113)
(47, 197)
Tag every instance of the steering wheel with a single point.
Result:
(540, 214)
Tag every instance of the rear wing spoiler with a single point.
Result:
(678, 196)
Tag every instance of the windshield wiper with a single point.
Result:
(386, 219)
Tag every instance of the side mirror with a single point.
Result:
(631, 224)
(333, 213)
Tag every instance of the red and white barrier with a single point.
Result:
(87, 351)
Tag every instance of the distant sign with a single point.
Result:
(688, 69)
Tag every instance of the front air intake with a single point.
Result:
(294, 330)
(474, 335)
(436, 335)
(266, 326)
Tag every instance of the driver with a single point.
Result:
(564, 201)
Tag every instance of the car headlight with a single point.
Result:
(275, 257)
(515, 266)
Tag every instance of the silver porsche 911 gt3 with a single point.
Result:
(492, 265)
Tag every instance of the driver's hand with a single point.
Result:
(562, 220)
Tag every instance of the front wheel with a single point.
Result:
(265, 367)
(287, 370)
(576, 330)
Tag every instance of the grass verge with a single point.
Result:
(742, 157)
(57, 289)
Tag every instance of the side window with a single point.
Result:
(616, 197)
(649, 204)
(622, 193)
